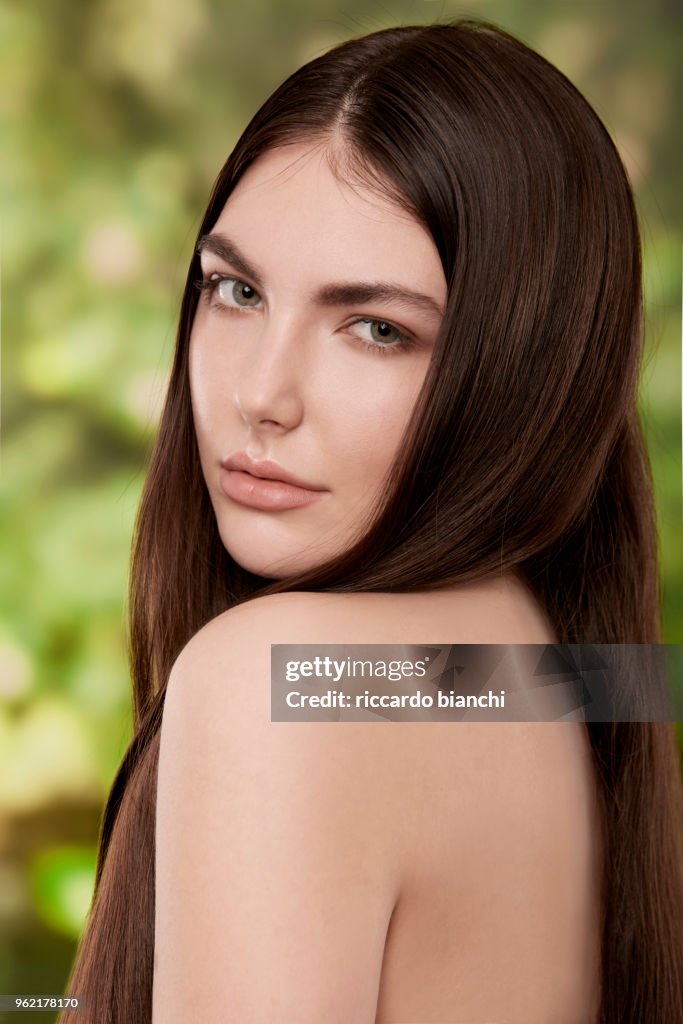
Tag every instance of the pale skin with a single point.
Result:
(347, 872)
(288, 379)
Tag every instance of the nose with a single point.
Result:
(268, 390)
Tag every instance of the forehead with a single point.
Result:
(290, 210)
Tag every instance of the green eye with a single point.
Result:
(230, 288)
(384, 337)
(381, 331)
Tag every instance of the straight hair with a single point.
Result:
(524, 453)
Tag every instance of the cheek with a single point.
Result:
(213, 367)
(202, 389)
(374, 421)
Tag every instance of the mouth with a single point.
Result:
(267, 469)
(265, 493)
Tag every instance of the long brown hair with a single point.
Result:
(526, 437)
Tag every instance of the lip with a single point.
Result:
(266, 470)
(264, 485)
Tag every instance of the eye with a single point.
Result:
(231, 292)
(384, 336)
(231, 288)
(235, 294)
(382, 332)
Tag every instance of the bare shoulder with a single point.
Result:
(277, 843)
(224, 673)
(297, 843)
(226, 668)
(495, 611)
(217, 720)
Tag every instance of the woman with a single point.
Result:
(470, 469)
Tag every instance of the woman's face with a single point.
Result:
(307, 351)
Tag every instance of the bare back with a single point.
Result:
(421, 872)
(498, 919)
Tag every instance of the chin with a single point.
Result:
(273, 562)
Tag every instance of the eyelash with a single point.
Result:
(208, 286)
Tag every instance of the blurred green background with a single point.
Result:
(116, 116)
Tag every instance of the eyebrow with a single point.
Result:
(337, 293)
